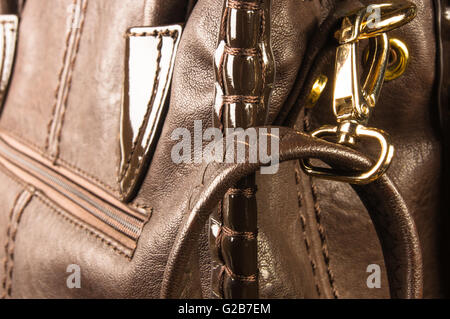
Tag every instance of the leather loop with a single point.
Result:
(392, 220)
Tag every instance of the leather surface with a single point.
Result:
(329, 256)
(11, 191)
(245, 72)
(388, 210)
(407, 111)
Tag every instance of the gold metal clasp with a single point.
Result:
(353, 103)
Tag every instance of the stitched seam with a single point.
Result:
(247, 192)
(148, 208)
(60, 161)
(13, 226)
(323, 239)
(147, 113)
(318, 217)
(6, 248)
(231, 99)
(58, 87)
(13, 240)
(243, 278)
(237, 4)
(138, 167)
(170, 33)
(240, 51)
(156, 85)
(240, 5)
(305, 235)
(118, 248)
(228, 232)
(70, 76)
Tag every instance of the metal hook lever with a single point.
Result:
(353, 103)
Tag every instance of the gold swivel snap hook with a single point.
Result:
(354, 102)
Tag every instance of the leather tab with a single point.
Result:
(148, 73)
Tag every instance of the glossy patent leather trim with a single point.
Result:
(8, 37)
(148, 73)
(245, 69)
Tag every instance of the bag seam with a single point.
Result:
(318, 218)
(109, 242)
(11, 234)
(305, 235)
(61, 162)
(70, 76)
(61, 71)
(125, 170)
(62, 106)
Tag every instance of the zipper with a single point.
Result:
(77, 196)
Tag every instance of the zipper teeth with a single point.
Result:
(108, 212)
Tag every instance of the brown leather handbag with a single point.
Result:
(110, 105)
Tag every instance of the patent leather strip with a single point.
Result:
(8, 37)
(392, 219)
(245, 69)
(148, 74)
(85, 205)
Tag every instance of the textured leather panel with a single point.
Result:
(29, 110)
(391, 217)
(28, 107)
(193, 85)
(89, 140)
(287, 262)
(77, 18)
(193, 95)
(42, 258)
(120, 223)
(66, 97)
(95, 97)
(10, 189)
(406, 111)
(351, 240)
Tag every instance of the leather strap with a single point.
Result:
(389, 213)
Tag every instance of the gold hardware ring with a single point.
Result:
(354, 99)
(377, 170)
